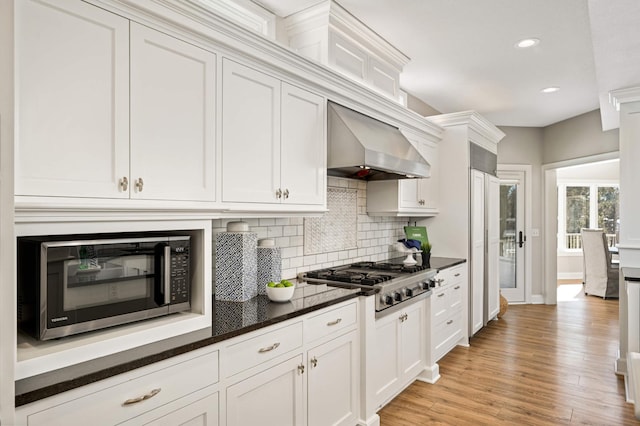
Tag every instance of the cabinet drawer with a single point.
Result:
(251, 352)
(330, 322)
(447, 333)
(107, 405)
(439, 304)
(454, 298)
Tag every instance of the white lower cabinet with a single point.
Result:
(446, 310)
(203, 411)
(400, 351)
(317, 384)
(271, 397)
(154, 391)
(332, 383)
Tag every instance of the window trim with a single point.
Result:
(593, 185)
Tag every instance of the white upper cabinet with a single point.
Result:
(408, 197)
(172, 118)
(72, 100)
(303, 169)
(109, 108)
(273, 140)
(250, 134)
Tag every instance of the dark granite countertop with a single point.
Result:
(631, 274)
(229, 319)
(444, 262)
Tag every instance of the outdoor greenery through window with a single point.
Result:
(587, 206)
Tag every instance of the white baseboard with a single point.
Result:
(537, 299)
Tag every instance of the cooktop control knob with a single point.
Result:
(388, 299)
(408, 292)
(397, 296)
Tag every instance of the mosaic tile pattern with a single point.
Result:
(338, 228)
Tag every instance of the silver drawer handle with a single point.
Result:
(457, 287)
(449, 322)
(269, 348)
(142, 398)
(457, 275)
(124, 183)
(338, 321)
(441, 294)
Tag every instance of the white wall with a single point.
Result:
(577, 137)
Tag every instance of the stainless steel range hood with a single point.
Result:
(361, 147)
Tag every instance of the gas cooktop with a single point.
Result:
(395, 281)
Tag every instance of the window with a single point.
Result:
(592, 205)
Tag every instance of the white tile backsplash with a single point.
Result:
(375, 236)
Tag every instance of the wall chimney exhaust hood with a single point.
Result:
(361, 147)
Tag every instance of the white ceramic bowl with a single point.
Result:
(280, 294)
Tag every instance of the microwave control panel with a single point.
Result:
(180, 283)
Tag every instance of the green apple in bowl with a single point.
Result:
(281, 291)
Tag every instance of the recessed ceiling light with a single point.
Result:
(527, 42)
(550, 89)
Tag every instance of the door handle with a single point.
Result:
(521, 239)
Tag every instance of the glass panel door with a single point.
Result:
(512, 237)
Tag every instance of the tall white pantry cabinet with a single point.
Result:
(467, 226)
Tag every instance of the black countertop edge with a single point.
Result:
(631, 274)
(440, 263)
(63, 386)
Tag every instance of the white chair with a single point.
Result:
(600, 275)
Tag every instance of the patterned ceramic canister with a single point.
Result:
(269, 264)
(236, 266)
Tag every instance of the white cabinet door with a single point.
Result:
(172, 118)
(412, 339)
(428, 190)
(72, 100)
(409, 193)
(387, 357)
(476, 293)
(304, 156)
(333, 382)
(492, 221)
(250, 135)
(272, 397)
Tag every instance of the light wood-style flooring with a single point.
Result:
(538, 365)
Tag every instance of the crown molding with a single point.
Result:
(623, 96)
(473, 120)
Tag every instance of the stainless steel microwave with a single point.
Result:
(74, 284)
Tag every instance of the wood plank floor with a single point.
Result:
(538, 365)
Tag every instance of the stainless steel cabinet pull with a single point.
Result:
(457, 275)
(142, 398)
(449, 322)
(403, 317)
(301, 369)
(139, 184)
(314, 362)
(338, 321)
(457, 287)
(286, 194)
(269, 348)
(441, 295)
(124, 183)
(279, 193)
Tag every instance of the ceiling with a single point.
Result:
(463, 54)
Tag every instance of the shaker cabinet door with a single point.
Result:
(333, 382)
(172, 118)
(250, 135)
(304, 164)
(72, 98)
